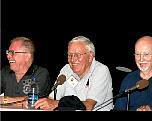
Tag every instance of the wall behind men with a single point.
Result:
(52, 25)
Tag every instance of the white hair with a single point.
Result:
(89, 44)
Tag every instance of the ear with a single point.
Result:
(91, 56)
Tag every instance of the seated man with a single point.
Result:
(17, 78)
(141, 97)
(87, 78)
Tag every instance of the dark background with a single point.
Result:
(113, 27)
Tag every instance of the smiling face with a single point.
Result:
(18, 61)
(79, 58)
(143, 54)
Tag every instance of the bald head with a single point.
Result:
(143, 54)
(144, 40)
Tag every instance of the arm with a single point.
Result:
(7, 99)
(2, 82)
(100, 87)
(89, 103)
(15, 100)
(145, 108)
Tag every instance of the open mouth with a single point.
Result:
(143, 64)
(12, 61)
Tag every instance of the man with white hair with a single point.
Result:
(87, 78)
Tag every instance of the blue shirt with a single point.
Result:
(138, 97)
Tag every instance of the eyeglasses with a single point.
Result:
(146, 56)
(12, 52)
(76, 55)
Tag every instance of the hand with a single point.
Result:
(46, 104)
(144, 108)
(25, 104)
(1, 99)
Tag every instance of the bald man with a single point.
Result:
(141, 97)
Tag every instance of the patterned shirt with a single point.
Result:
(10, 86)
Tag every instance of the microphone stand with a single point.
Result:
(111, 100)
(128, 101)
(55, 92)
(118, 95)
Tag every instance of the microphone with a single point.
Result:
(124, 69)
(60, 80)
(139, 85)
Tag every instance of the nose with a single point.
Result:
(141, 57)
(9, 56)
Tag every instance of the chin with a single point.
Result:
(143, 69)
(12, 68)
(75, 71)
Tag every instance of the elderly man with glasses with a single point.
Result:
(86, 78)
(139, 99)
(17, 78)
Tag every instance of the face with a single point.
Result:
(143, 55)
(19, 59)
(79, 58)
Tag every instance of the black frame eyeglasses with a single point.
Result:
(12, 52)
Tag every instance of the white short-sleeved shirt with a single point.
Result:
(95, 85)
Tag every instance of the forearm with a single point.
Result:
(89, 103)
(7, 99)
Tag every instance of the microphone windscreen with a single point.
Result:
(142, 84)
(61, 79)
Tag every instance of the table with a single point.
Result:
(17, 106)
(12, 107)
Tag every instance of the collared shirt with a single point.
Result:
(138, 97)
(10, 86)
(95, 85)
